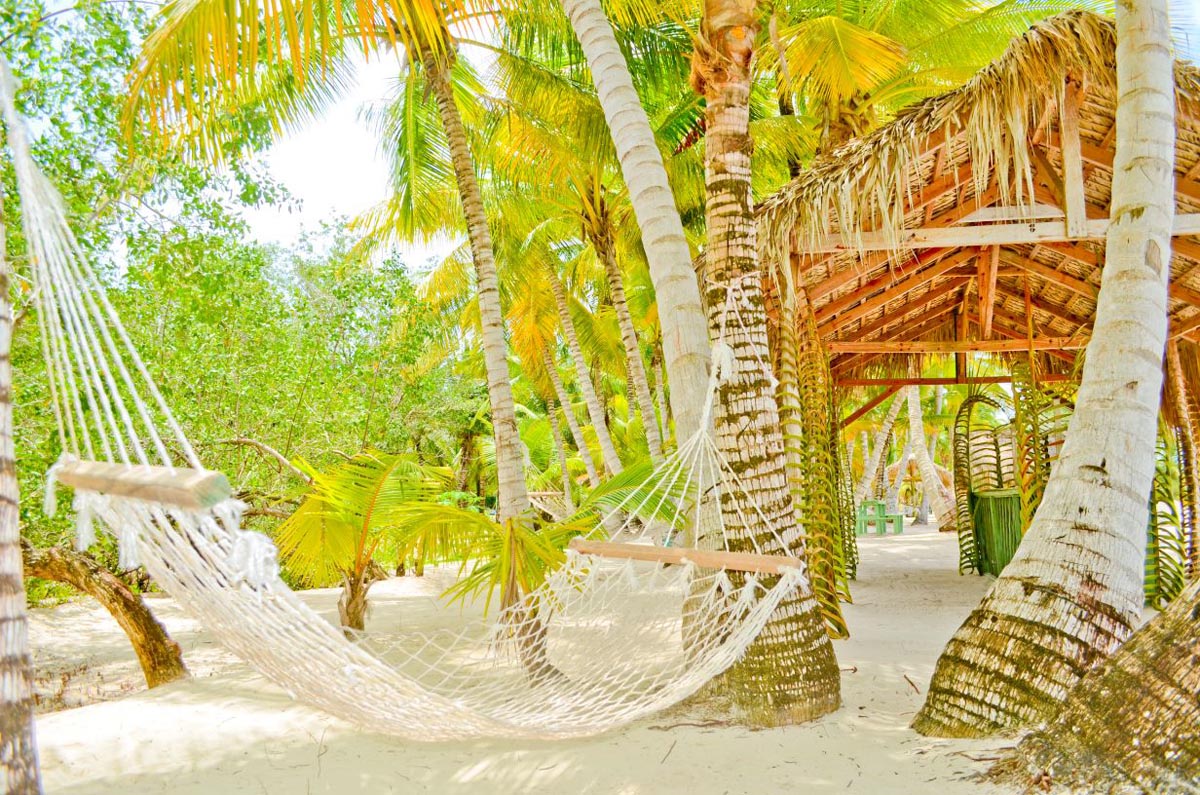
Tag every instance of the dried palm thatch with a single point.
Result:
(994, 145)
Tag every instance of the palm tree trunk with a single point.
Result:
(513, 497)
(871, 467)
(608, 453)
(789, 674)
(1073, 592)
(1133, 721)
(685, 333)
(1186, 420)
(564, 400)
(929, 476)
(635, 365)
(561, 448)
(160, 657)
(893, 493)
(659, 388)
(18, 749)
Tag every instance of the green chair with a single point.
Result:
(874, 512)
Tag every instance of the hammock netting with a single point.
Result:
(600, 644)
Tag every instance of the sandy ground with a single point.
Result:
(229, 731)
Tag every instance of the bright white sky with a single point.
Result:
(333, 166)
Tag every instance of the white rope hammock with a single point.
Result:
(602, 643)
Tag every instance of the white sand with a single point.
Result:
(229, 731)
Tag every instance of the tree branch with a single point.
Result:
(271, 452)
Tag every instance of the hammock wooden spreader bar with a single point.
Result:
(705, 558)
(193, 489)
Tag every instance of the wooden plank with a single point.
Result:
(923, 381)
(870, 404)
(708, 559)
(193, 489)
(901, 288)
(1076, 201)
(960, 333)
(1042, 306)
(994, 234)
(954, 346)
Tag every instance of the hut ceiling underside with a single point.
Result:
(991, 292)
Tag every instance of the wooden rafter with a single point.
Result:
(1103, 157)
(870, 404)
(1059, 312)
(932, 381)
(896, 315)
(1072, 161)
(1048, 273)
(899, 289)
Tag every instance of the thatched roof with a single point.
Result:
(955, 161)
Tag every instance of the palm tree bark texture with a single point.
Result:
(513, 497)
(684, 330)
(1133, 723)
(1073, 592)
(790, 673)
(18, 750)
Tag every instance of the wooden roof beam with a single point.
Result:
(1044, 306)
(1049, 274)
(1009, 234)
(1103, 157)
(1072, 160)
(1023, 336)
(955, 346)
(870, 404)
(933, 381)
(876, 258)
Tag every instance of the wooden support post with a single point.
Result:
(1072, 161)
(708, 559)
(960, 334)
(193, 489)
(989, 265)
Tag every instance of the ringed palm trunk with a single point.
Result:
(685, 334)
(513, 497)
(1133, 721)
(929, 475)
(561, 448)
(608, 453)
(789, 674)
(635, 366)
(1073, 592)
(18, 750)
(871, 467)
(893, 491)
(564, 400)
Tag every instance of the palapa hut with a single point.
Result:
(975, 222)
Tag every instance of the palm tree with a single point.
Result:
(685, 338)
(201, 55)
(1135, 719)
(934, 491)
(18, 751)
(1073, 592)
(789, 674)
(877, 451)
(342, 525)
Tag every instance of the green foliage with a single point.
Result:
(969, 446)
(1041, 418)
(1166, 545)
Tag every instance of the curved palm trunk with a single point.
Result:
(685, 333)
(1133, 721)
(1073, 592)
(513, 498)
(18, 750)
(160, 656)
(934, 492)
(635, 366)
(893, 492)
(564, 400)
(789, 674)
(560, 448)
(608, 453)
(871, 467)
